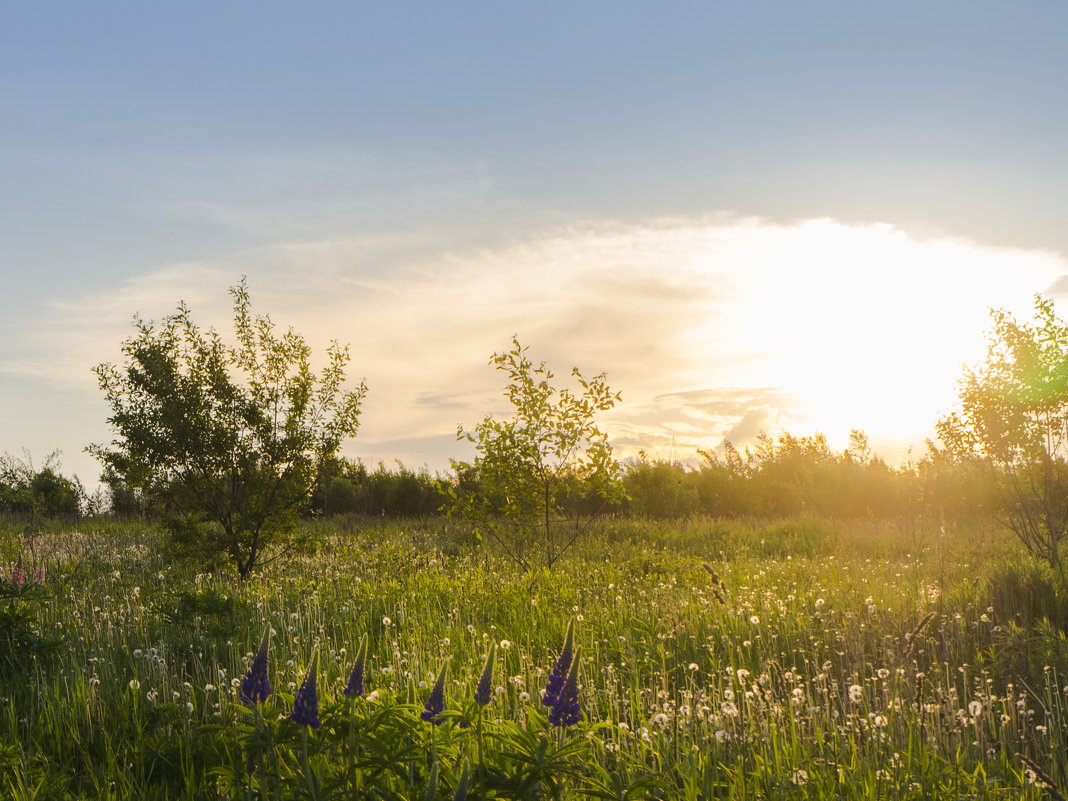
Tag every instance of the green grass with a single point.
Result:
(793, 679)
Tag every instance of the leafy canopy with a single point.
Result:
(227, 441)
(530, 468)
(1013, 420)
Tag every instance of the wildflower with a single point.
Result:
(435, 704)
(856, 693)
(135, 685)
(40, 577)
(18, 575)
(485, 681)
(256, 686)
(306, 705)
(975, 708)
(566, 711)
(354, 686)
(660, 719)
(560, 670)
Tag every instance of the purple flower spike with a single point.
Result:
(256, 686)
(484, 689)
(435, 704)
(18, 575)
(559, 672)
(306, 706)
(566, 711)
(354, 686)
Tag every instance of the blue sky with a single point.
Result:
(628, 186)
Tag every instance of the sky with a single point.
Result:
(754, 217)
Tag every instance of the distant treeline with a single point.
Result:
(28, 491)
(780, 476)
(803, 475)
(784, 476)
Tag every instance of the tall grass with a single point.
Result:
(803, 674)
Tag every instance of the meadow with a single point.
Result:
(758, 659)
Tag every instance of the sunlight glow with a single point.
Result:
(711, 328)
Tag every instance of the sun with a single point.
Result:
(867, 325)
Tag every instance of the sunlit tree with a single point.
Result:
(228, 440)
(1013, 420)
(516, 490)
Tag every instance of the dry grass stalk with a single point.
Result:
(1042, 779)
(718, 587)
(911, 637)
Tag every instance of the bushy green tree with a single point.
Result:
(227, 440)
(1013, 420)
(45, 492)
(529, 468)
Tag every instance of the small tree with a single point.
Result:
(529, 468)
(228, 441)
(1013, 422)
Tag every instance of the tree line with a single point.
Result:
(230, 445)
(782, 476)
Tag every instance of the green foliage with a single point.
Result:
(530, 469)
(347, 487)
(227, 441)
(22, 643)
(28, 492)
(790, 475)
(1013, 421)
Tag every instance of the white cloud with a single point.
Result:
(711, 328)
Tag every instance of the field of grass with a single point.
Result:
(878, 659)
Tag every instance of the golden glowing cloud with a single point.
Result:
(711, 328)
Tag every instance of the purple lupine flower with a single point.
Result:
(40, 578)
(566, 711)
(354, 686)
(484, 689)
(256, 686)
(435, 704)
(306, 706)
(559, 672)
(18, 575)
